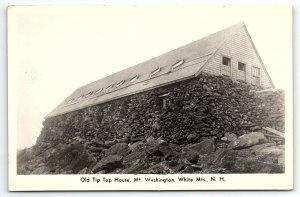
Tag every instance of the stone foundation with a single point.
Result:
(203, 107)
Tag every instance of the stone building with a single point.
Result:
(189, 104)
(201, 90)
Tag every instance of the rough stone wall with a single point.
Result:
(206, 107)
(272, 103)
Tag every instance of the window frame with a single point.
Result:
(120, 83)
(133, 79)
(256, 76)
(238, 72)
(89, 94)
(177, 64)
(224, 71)
(108, 87)
(155, 71)
(99, 90)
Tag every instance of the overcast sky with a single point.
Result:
(55, 50)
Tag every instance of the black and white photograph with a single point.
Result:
(153, 97)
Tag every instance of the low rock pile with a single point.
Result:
(192, 128)
(250, 153)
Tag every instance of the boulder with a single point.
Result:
(252, 164)
(189, 155)
(248, 140)
(150, 139)
(118, 149)
(96, 149)
(230, 136)
(175, 147)
(160, 168)
(191, 137)
(108, 144)
(78, 139)
(135, 167)
(187, 170)
(72, 158)
(137, 146)
(255, 128)
(262, 158)
(133, 157)
(108, 163)
(204, 147)
(165, 150)
(85, 171)
(41, 170)
(155, 142)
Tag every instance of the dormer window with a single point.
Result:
(98, 91)
(121, 83)
(70, 100)
(80, 97)
(155, 72)
(89, 94)
(134, 78)
(109, 87)
(176, 65)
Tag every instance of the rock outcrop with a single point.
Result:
(165, 158)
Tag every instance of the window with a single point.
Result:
(134, 78)
(226, 66)
(109, 87)
(89, 94)
(98, 91)
(119, 84)
(241, 73)
(256, 76)
(242, 66)
(177, 64)
(155, 72)
(165, 101)
(226, 61)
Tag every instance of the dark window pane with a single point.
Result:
(226, 61)
(241, 66)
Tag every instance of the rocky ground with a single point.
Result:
(249, 153)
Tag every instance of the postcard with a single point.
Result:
(150, 97)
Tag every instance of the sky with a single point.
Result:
(54, 50)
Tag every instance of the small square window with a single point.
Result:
(226, 61)
(226, 66)
(242, 66)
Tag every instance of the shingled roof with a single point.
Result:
(177, 65)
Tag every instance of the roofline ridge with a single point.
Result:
(198, 40)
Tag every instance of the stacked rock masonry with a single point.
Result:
(206, 106)
(186, 112)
